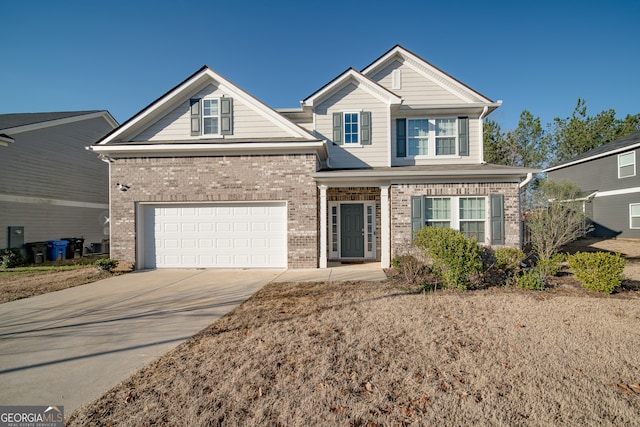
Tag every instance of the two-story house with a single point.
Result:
(607, 177)
(209, 176)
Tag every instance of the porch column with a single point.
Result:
(323, 226)
(385, 227)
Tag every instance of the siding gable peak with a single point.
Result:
(184, 91)
(428, 71)
(352, 75)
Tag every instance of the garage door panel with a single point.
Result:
(212, 236)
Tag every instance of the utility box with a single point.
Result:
(16, 236)
(56, 250)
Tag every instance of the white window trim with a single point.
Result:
(631, 216)
(634, 164)
(336, 254)
(203, 117)
(344, 126)
(455, 213)
(431, 143)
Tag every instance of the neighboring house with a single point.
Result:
(609, 180)
(51, 186)
(216, 178)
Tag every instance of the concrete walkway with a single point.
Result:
(69, 347)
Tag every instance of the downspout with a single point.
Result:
(522, 187)
(484, 113)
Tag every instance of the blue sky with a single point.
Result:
(122, 55)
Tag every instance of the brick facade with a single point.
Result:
(216, 179)
(401, 207)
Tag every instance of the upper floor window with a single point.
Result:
(627, 164)
(352, 128)
(210, 116)
(351, 132)
(426, 137)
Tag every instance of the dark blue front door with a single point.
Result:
(352, 230)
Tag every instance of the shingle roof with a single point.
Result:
(613, 146)
(8, 121)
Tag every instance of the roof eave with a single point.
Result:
(594, 157)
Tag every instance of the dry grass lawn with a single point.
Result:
(24, 283)
(369, 354)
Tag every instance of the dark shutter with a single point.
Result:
(337, 128)
(463, 136)
(401, 137)
(194, 105)
(365, 128)
(226, 116)
(497, 219)
(417, 218)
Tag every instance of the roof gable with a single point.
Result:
(195, 84)
(352, 75)
(428, 71)
(625, 143)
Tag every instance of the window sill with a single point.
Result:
(427, 157)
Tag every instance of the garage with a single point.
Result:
(237, 235)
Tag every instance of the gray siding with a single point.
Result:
(52, 164)
(599, 174)
(610, 214)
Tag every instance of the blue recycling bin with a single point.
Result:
(56, 249)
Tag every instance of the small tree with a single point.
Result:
(557, 218)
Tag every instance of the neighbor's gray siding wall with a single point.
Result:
(599, 174)
(610, 213)
(611, 216)
(52, 163)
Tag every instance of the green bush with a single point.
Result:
(550, 267)
(509, 259)
(11, 257)
(456, 259)
(598, 271)
(107, 264)
(531, 280)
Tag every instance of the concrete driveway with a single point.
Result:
(69, 347)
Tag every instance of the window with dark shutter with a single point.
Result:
(194, 105)
(463, 136)
(365, 128)
(497, 219)
(401, 137)
(337, 128)
(417, 217)
(226, 116)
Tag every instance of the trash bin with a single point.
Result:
(75, 247)
(36, 252)
(56, 249)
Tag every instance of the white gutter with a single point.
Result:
(527, 180)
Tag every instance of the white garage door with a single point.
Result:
(215, 236)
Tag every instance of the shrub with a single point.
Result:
(531, 280)
(107, 264)
(550, 267)
(456, 259)
(411, 268)
(11, 257)
(598, 271)
(509, 259)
